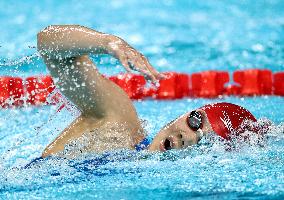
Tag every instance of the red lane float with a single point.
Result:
(11, 91)
(15, 91)
(234, 90)
(167, 86)
(38, 88)
(254, 82)
(265, 79)
(209, 84)
(279, 83)
(4, 90)
(248, 81)
(222, 78)
(183, 85)
(203, 84)
(132, 84)
(149, 92)
(173, 86)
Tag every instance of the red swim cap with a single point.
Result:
(226, 118)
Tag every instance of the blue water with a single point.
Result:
(185, 36)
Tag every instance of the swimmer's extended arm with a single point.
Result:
(65, 41)
(65, 50)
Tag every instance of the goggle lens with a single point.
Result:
(194, 120)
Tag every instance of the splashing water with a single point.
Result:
(187, 36)
(208, 168)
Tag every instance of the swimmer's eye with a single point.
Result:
(168, 144)
(194, 120)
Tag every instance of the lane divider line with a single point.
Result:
(34, 90)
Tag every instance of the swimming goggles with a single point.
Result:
(194, 120)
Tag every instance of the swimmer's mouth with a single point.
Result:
(167, 144)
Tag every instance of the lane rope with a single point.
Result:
(36, 90)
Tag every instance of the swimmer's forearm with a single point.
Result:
(63, 41)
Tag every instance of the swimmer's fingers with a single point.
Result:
(136, 65)
(124, 61)
(133, 60)
(139, 63)
(150, 68)
(148, 76)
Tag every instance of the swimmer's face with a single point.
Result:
(178, 134)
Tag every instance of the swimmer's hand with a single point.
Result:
(131, 59)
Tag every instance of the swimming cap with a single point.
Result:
(226, 118)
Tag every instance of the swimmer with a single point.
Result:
(109, 120)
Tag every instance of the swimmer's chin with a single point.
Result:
(153, 148)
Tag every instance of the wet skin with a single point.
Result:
(107, 111)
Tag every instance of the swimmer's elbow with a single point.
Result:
(61, 40)
(51, 39)
(43, 40)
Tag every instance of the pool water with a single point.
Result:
(183, 36)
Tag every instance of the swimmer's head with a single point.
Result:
(221, 118)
